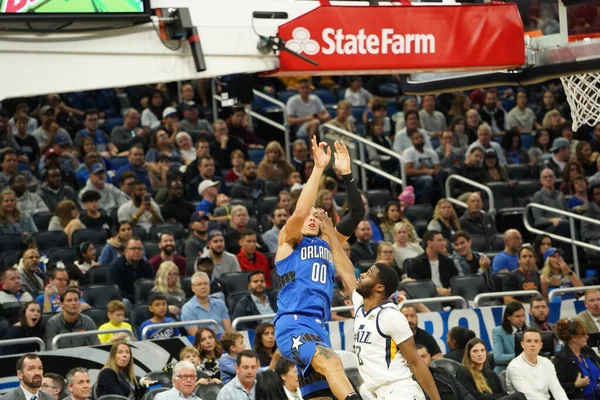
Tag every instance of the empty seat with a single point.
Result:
(480, 243)
(503, 194)
(141, 290)
(42, 220)
(235, 282)
(10, 258)
(420, 289)
(50, 240)
(118, 161)
(190, 265)
(232, 300)
(524, 190)
(498, 242)
(468, 286)
(95, 236)
(249, 204)
(177, 230)
(354, 377)
(98, 274)
(498, 281)
(419, 212)
(519, 172)
(364, 265)
(140, 232)
(97, 314)
(186, 285)
(208, 392)
(285, 95)
(340, 198)
(151, 249)
(420, 227)
(99, 295)
(266, 205)
(378, 198)
(65, 254)
(256, 155)
(326, 96)
(447, 364)
(138, 313)
(272, 188)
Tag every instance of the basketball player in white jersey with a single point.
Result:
(383, 341)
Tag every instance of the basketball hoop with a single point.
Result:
(583, 95)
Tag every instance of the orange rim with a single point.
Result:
(583, 36)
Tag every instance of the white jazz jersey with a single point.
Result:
(377, 334)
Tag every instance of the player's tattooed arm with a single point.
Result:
(325, 352)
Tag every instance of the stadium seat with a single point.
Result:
(64, 254)
(97, 314)
(419, 212)
(232, 300)
(95, 391)
(235, 282)
(468, 286)
(479, 243)
(249, 204)
(364, 265)
(46, 316)
(151, 394)
(190, 265)
(357, 113)
(49, 240)
(519, 172)
(524, 190)
(420, 227)
(138, 313)
(186, 286)
(285, 95)
(98, 274)
(10, 242)
(272, 187)
(340, 198)
(151, 249)
(99, 295)
(208, 392)
(142, 289)
(10, 258)
(95, 236)
(498, 242)
(267, 204)
(503, 194)
(140, 232)
(447, 364)
(498, 281)
(326, 96)
(42, 220)
(420, 289)
(112, 397)
(164, 378)
(378, 198)
(511, 218)
(502, 376)
(177, 230)
(119, 161)
(256, 155)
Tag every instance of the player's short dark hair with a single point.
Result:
(388, 277)
(90, 195)
(255, 272)
(247, 354)
(156, 296)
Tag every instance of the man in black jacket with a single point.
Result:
(130, 267)
(433, 264)
(447, 385)
(364, 248)
(256, 302)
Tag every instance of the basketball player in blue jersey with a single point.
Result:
(306, 269)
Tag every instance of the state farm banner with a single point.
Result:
(380, 39)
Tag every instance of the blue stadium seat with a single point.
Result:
(49, 240)
(285, 95)
(42, 220)
(256, 155)
(325, 95)
(118, 161)
(10, 242)
(357, 113)
(142, 289)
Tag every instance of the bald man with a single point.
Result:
(507, 260)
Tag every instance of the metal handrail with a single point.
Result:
(571, 240)
(495, 295)
(11, 342)
(376, 146)
(487, 190)
(61, 336)
(560, 291)
(236, 321)
(177, 324)
(378, 171)
(441, 299)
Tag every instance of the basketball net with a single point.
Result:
(583, 95)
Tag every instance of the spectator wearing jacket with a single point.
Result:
(477, 223)
(249, 258)
(111, 197)
(256, 302)
(53, 191)
(433, 264)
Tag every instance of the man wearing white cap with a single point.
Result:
(169, 122)
(208, 190)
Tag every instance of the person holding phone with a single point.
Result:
(141, 209)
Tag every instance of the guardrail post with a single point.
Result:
(213, 92)
(574, 246)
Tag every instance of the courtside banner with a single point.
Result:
(384, 39)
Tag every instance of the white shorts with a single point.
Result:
(401, 390)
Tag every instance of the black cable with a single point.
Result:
(156, 29)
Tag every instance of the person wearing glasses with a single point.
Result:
(184, 383)
(129, 267)
(53, 384)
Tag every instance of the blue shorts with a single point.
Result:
(297, 337)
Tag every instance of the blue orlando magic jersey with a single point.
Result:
(307, 280)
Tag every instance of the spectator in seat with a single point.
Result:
(513, 150)
(115, 311)
(343, 120)
(372, 218)
(243, 385)
(591, 316)
(9, 125)
(196, 242)
(473, 120)
(403, 246)
(27, 201)
(203, 306)
(66, 220)
(467, 261)
(224, 261)
(457, 339)
(86, 260)
(364, 248)
(79, 384)
(30, 281)
(28, 145)
(539, 311)
(157, 304)
(433, 120)
(12, 292)
(100, 138)
(249, 187)
(421, 336)
(184, 382)
(540, 245)
(531, 374)
(53, 384)
(422, 167)
(403, 139)
(151, 116)
(325, 202)
(62, 148)
(470, 169)
(129, 267)
(93, 216)
(70, 320)
(110, 196)
(49, 129)
(238, 127)
(224, 145)
(9, 165)
(572, 170)
(141, 209)
(167, 246)
(475, 222)
(579, 201)
(12, 221)
(206, 172)
(176, 208)
(507, 261)
(449, 155)
(208, 191)
(264, 343)
(239, 223)
(168, 283)
(28, 326)
(279, 217)
(306, 112)
(560, 156)
(136, 164)
(557, 274)
(410, 104)
(257, 302)
(540, 150)
(589, 231)
(577, 365)
(493, 115)
(299, 153)
(237, 166)
(492, 171)
(379, 159)
(274, 165)
(192, 123)
(513, 321)
(202, 150)
(30, 372)
(117, 376)
(526, 277)
(460, 137)
(52, 190)
(484, 141)
(58, 279)
(444, 220)
(355, 94)
(433, 264)
(124, 137)
(392, 214)
(249, 258)
(522, 118)
(550, 197)
(186, 147)
(160, 143)
(232, 344)
(217, 289)
(115, 246)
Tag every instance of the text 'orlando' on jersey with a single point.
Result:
(306, 279)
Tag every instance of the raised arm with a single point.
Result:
(356, 213)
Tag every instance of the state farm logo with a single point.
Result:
(336, 41)
(302, 43)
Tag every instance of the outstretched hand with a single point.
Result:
(327, 228)
(321, 157)
(343, 163)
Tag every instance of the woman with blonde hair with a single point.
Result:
(385, 255)
(12, 220)
(557, 274)
(167, 282)
(551, 122)
(444, 219)
(117, 377)
(274, 166)
(403, 247)
(66, 219)
(325, 201)
(393, 214)
(460, 105)
(343, 119)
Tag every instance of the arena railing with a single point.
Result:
(362, 142)
(271, 316)
(560, 291)
(178, 324)
(441, 299)
(570, 240)
(62, 336)
(495, 295)
(487, 190)
(12, 342)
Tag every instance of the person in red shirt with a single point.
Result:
(250, 259)
(167, 247)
